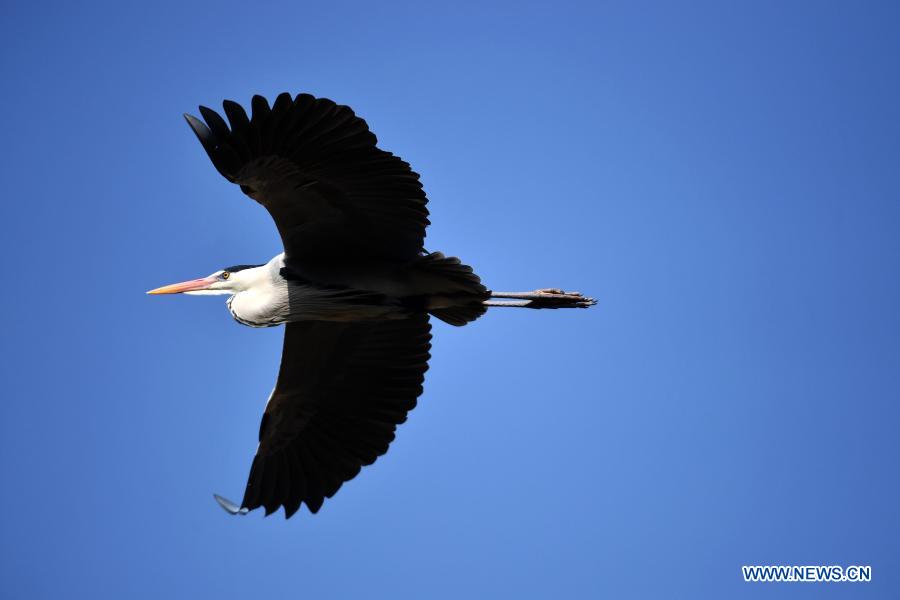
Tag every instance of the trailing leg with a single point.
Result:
(544, 298)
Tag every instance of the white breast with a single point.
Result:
(260, 307)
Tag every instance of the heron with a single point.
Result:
(354, 289)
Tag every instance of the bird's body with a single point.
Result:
(272, 299)
(272, 294)
(354, 289)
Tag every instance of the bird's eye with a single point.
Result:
(225, 275)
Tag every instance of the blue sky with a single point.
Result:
(723, 177)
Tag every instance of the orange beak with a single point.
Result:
(185, 286)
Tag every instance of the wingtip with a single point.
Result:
(200, 130)
(230, 507)
(195, 123)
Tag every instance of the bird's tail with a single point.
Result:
(455, 293)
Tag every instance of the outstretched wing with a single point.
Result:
(342, 390)
(314, 166)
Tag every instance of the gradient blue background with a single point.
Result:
(724, 177)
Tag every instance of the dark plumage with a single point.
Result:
(335, 407)
(314, 166)
(236, 268)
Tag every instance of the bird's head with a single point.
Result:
(229, 280)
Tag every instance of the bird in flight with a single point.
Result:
(354, 289)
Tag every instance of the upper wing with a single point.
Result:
(314, 165)
(342, 390)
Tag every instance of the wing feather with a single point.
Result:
(342, 390)
(314, 165)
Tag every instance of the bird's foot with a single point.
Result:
(557, 298)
